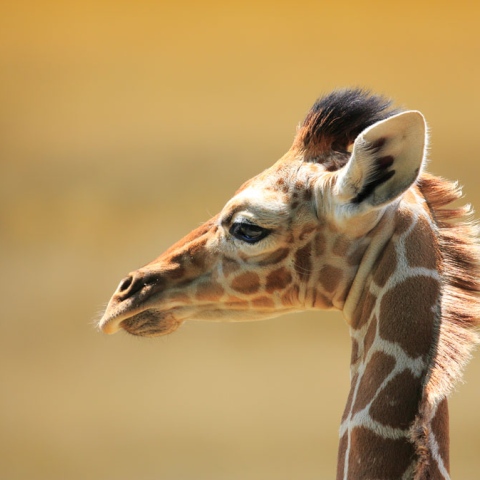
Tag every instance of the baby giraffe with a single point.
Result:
(347, 219)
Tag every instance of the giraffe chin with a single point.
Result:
(150, 323)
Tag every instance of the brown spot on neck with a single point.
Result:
(403, 220)
(373, 456)
(420, 246)
(408, 315)
(397, 404)
(377, 370)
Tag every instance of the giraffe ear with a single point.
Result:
(385, 161)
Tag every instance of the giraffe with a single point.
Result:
(348, 219)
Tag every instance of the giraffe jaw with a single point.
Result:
(150, 321)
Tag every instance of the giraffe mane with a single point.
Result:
(460, 305)
(457, 333)
(333, 123)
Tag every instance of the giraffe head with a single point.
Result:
(291, 238)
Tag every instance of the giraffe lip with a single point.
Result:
(146, 322)
(150, 323)
(111, 322)
(119, 311)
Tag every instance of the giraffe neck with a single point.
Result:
(390, 429)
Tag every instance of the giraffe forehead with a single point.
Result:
(264, 205)
(286, 176)
(275, 194)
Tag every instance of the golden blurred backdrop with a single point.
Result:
(125, 124)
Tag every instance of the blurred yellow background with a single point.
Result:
(125, 124)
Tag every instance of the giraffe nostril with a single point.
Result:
(125, 284)
(138, 282)
(130, 285)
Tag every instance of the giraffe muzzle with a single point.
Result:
(128, 307)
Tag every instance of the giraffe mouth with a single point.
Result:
(140, 321)
(150, 323)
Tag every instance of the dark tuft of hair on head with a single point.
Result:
(335, 120)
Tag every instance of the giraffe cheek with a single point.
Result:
(278, 280)
(178, 298)
(209, 291)
(246, 283)
(229, 266)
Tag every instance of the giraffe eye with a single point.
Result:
(248, 232)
